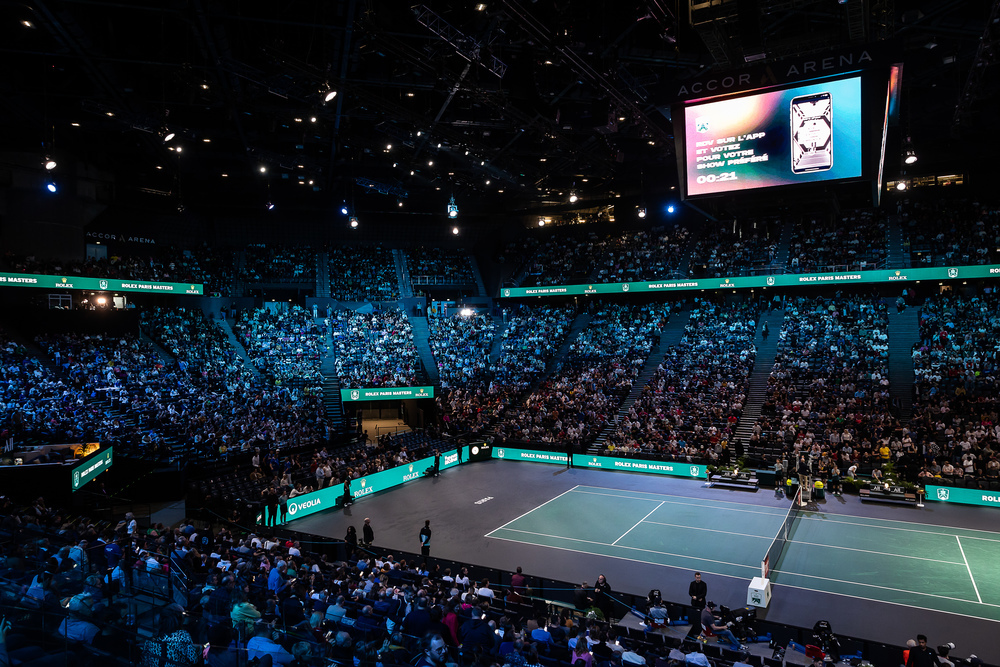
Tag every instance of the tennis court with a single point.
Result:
(913, 564)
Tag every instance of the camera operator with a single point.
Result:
(722, 631)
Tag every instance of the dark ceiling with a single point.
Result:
(507, 107)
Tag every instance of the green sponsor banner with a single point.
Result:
(96, 284)
(747, 282)
(604, 462)
(534, 455)
(676, 468)
(91, 467)
(328, 498)
(950, 494)
(386, 393)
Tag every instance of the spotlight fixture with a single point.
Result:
(572, 196)
(909, 155)
(270, 206)
(452, 208)
(642, 212)
(51, 186)
(343, 210)
(354, 222)
(168, 136)
(263, 169)
(330, 94)
(541, 222)
(454, 230)
(49, 163)
(670, 208)
(900, 185)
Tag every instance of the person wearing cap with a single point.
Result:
(922, 655)
(708, 621)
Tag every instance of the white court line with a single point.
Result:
(777, 584)
(718, 504)
(777, 512)
(884, 588)
(755, 566)
(531, 510)
(907, 530)
(709, 530)
(976, 588)
(868, 551)
(637, 523)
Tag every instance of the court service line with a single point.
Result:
(907, 530)
(776, 513)
(878, 553)
(637, 523)
(974, 587)
(629, 559)
(620, 546)
(710, 530)
(532, 510)
(716, 504)
(884, 588)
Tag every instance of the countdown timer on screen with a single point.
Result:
(803, 134)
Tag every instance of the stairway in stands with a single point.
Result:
(333, 405)
(904, 331)
(899, 247)
(480, 286)
(784, 247)
(499, 327)
(421, 338)
(670, 336)
(764, 362)
(402, 274)
(238, 346)
(322, 274)
(555, 364)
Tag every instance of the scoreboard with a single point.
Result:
(805, 133)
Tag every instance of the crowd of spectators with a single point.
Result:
(603, 362)
(532, 336)
(564, 260)
(856, 241)
(643, 255)
(439, 266)
(276, 263)
(284, 344)
(211, 267)
(461, 345)
(951, 232)
(723, 252)
(956, 410)
(689, 408)
(375, 349)
(362, 273)
(828, 392)
(201, 348)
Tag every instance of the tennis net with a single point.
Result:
(777, 547)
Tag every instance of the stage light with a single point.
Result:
(330, 94)
(51, 186)
(168, 136)
(50, 164)
(909, 155)
(541, 222)
(101, 300)
(354, 222)
(466, 312)
(452, 208)
(343, 210)
(270, 206)
(312, 119)
(901, 185)
(454, 230)
(670, 209)
(572, 196)
(263, 169)
(642, 212)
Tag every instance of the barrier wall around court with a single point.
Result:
(950, 494)
(673, 468)
(328, 498)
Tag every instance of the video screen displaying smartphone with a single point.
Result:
(812, 133)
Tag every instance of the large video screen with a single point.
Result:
(803, 134)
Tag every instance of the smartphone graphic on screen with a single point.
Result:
(812, 133)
